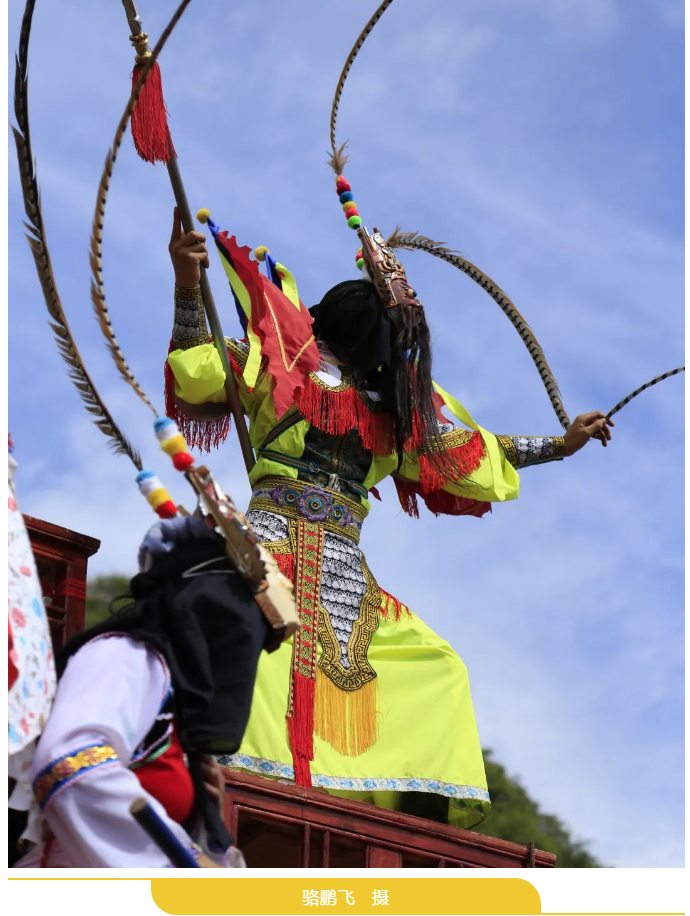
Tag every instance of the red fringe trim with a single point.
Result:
(301, 728)
(286, 564)
(199, 434)
(150, 130)
(339, 412)
(451, 465)
(387, 600)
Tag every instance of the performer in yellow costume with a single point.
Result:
(378, 706)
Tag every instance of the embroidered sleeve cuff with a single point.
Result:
(69, 768)
(523, 451)
(189, 327)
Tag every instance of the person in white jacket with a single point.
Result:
(143, 700)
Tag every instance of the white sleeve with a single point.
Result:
(106, 702)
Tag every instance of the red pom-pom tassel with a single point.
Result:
(167, 510)
(182, 461)
(341, 184)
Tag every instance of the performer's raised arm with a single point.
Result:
(195, 377)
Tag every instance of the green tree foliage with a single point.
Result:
(518, 818)
(101, 591)
(514, 815)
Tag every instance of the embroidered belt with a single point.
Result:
(63, 770)
(297, 499)
(311, 467)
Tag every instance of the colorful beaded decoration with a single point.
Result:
(156, 495)
(173, 444)
(346, 198)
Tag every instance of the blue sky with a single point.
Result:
(542, 138)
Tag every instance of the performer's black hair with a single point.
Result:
(389, 351)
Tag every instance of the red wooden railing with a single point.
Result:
(280, 825)
(61, 559)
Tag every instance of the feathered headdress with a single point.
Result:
(379, 263)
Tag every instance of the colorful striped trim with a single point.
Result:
(273, 768)
(65, 770)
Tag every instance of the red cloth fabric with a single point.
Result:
(285, 332)
(169, 781)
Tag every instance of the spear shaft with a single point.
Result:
(187, 220)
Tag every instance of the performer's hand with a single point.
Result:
(188, 252)
(213, 780)
(594, 425)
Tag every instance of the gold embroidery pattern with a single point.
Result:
(56, 775)
(188, 292)
(456, 438)
(262, 500)
(359, 671)
(189, 319)
(239, 354)
(509, 448)
(343, 385)
(558, 447)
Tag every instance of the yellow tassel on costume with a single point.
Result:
(346, 719)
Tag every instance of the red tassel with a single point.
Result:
(150, 130)
(407, 494)
(199, 434)
(301, 728)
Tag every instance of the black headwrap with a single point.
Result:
(389, 351)
(211, 632)
(353, 323)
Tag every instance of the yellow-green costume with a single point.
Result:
(390, 708)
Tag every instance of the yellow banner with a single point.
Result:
(286, 896)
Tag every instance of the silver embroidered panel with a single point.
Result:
(268, 526)
(342, 588)
(533, 449)
(342, 584)
(187, 325)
